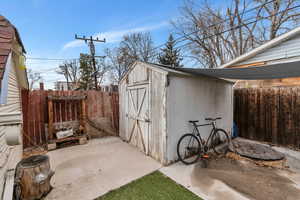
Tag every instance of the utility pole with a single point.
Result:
(90, 42)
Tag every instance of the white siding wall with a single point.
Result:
(287, 49)
(194, 99)
(13, 105)
(224, 105)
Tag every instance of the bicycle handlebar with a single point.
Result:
(208, 119)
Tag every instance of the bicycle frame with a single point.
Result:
(197, 132)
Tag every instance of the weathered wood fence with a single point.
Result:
(102, 110)
(269, 114)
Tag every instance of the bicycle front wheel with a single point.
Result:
(188, 149)
(220, 141)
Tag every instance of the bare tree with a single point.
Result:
(70, 70)
(137, 46)
(214, 36)
(119, 62)
(133, 47)
(282, 17)
(34, 77)
(102, 67)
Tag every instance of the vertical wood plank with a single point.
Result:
(83, 114)
(50, 111)
(24, 96)
(269, 114)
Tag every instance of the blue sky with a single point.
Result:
(47, 27)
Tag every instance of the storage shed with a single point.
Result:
(156, 103)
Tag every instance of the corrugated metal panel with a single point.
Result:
(287, 49)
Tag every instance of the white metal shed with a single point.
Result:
(156, 103)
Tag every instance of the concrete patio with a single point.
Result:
(239, 180)
(88, 171)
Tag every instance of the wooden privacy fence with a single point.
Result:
(102, 110)
(269, 114)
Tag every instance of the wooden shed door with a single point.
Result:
(138, 117)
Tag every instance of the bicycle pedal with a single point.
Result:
(205, 156)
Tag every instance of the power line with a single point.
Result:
(239, 26)
(161, 45)
(210, 26)
(230, 29)
(90, 42)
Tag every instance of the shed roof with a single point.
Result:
(174, 71)
(8, 33)
(272, 71)
(187, 71)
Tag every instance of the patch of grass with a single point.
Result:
(155, 186)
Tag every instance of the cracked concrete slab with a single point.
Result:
(183, 175)
(88, 171)
(224, 178)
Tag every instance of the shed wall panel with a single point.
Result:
(195, 99)
(138, 74)
(224, 105)
(158, 115)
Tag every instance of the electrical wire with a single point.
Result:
(212, 25)
(161, 45)
(233, 28)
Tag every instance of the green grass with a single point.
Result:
(155, 186)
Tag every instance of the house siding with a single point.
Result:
(286, 49)
(13, 105)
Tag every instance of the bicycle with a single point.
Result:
(191, 146)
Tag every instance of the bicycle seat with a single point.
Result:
(193, 121)
(212, 119)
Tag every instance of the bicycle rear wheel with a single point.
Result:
(188, 149)
(220, 141)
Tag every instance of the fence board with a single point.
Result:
(99, 106)
(269, 114)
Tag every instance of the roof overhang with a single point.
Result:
(272, 71)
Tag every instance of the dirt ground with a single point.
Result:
(252, 181)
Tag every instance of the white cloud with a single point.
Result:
(116, 36)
